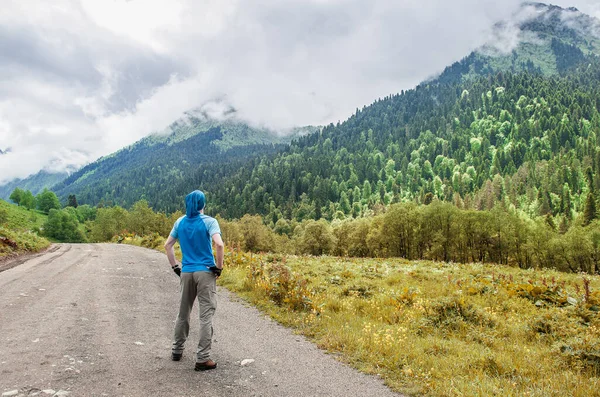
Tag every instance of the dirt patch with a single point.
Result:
(12, 260)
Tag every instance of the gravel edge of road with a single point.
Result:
(13, 260)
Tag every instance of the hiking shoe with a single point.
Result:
(176, 356)
(205, 366)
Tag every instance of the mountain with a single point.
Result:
(522, 137)
(152, 167)
(35, 183)
(539, 38)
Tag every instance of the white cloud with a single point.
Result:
(83, 78)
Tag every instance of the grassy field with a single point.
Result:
(16, 230)
(435, 329)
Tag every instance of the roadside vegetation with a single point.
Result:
(439, 329)
(427, 327)
(432, 328)
(438, 322)
(19, 229)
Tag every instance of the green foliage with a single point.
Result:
(316, 238)
(108, 223)
(72, 201)
(142, 221)
(589, 213)
(17, 242)
(256, 235)
(438, 231)
(86, 213)
(521, 140)
(17, 230)
(161, 168)
(27, 200)
(23, 198)
(526, 146)
(3, 216)
(21, 219)
(16, 195)
(47, 200)
(62, 225)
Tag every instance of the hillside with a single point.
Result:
(17, 226)
(150, 168)
(550, 40)
(34, 183)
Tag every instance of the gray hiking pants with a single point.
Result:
(203, 286)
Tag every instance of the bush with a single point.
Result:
(62, 225)
(47, 200)
(256, 235)
(14, 241)
(454, 313)
(316, 238)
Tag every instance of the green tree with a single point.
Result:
(109, 222)
(72, 201)
(47, 200)
(366, 194)
(16, 195)
(62, 225)
(317, 238)
(282, 226)
(141, 219)
(28, 200)
(428, 198)
(589, 213)
(86, 213)
(344, 203)
(257, 236)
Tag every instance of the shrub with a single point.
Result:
(454, 313)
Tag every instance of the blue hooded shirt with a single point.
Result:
(194, 232)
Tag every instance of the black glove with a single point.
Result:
(216, 271)
(177, 270)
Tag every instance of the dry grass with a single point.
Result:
(433, 328)
(436, 329)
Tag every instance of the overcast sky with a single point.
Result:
(82, 78)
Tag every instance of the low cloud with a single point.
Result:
(80, 78)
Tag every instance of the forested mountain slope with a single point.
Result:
(522, 138)
(150, 168)
(35, 183)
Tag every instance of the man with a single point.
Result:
(198, 275)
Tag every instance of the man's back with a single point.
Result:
(194, 234)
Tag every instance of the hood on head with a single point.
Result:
(194, 203)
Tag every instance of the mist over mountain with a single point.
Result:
(539, 38)
(152, 168)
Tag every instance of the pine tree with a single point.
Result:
(589, 214)
(72, 201)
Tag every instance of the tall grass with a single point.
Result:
(435, 329)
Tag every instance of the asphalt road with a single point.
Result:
(97, 320)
